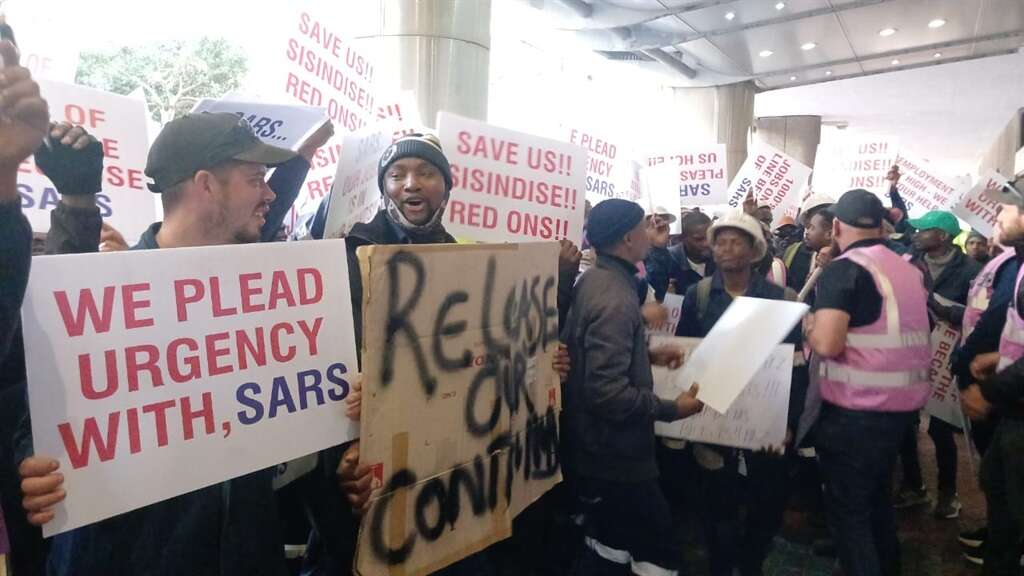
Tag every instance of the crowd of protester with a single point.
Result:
(878, 282)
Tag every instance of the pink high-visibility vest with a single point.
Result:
(884, 367)
(981, 292)
(1011, 344)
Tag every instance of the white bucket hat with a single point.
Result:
(740, 220)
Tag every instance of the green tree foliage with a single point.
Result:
(172, 74)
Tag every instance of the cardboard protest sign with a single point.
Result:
(460, 402)
(119, 123)
(944, 401)
(977, 208)
(758, 417)
(699, 174)
(774, 177)
(753, 325)
(610, 170)
(324, 70)
(276, 124)
(858, 162)
(356, 196)
(674, 304)
(925, 188)
(510, 186)
(219, 360)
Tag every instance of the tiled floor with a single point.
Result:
(929, 545)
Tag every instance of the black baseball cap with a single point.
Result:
(860, 209)
(197, 142)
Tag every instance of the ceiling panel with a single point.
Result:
(910, 19)
(672, 25)
(746, 12)
(785, 40)
(710, 57)
(807, 76)
(637, 4)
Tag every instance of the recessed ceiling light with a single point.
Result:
(937, 55)
(792, 78)
(828, 72)
(765, 53)
(780, 5)
(730, 15)
(809, 46)
(895, 61)
(884, 32)
(937, 23)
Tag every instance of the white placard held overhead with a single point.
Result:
(281, 125)
(510, 186)
(698, 174)
(774, 177)
(977, 208)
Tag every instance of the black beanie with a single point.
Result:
(610, 220)
(415, 146)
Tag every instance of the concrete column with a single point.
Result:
(439, 50)
(797, 136)
(720, 114)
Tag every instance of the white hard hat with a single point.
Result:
(815, 200)
(740, 220)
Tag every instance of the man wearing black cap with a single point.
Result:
(610, 405)
(870, 332)
(211, 171)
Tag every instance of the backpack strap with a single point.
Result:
(703, 297)
(790, 254)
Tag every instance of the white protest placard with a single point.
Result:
(846, 163)
(674, 304)
(661, 193)
(275, 124)
(356, 196)
(925, 188)
(219, 360)
(977, 208)
(320, 67)
(758, 417)
(944, 401)
(510, 186)
(609, 166)
(753, 325)
(119, 123)
(775, 178)
(699, 174)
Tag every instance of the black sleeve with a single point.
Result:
(689, 324)
(658, 271)
(15, 259)
(74, 230)
(1006, 387)
(286, 182)
(566, 280)
(837, 287)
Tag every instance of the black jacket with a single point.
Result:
(664, 264)
(609, 404)
(953, 283)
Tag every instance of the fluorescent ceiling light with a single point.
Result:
(730, 15)
(895, 61)
(809, 46)
(765, 53)
(792, 78)
(780, 5)
(885, 32)
(937, 23)
(828, 72)
(937, 55)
